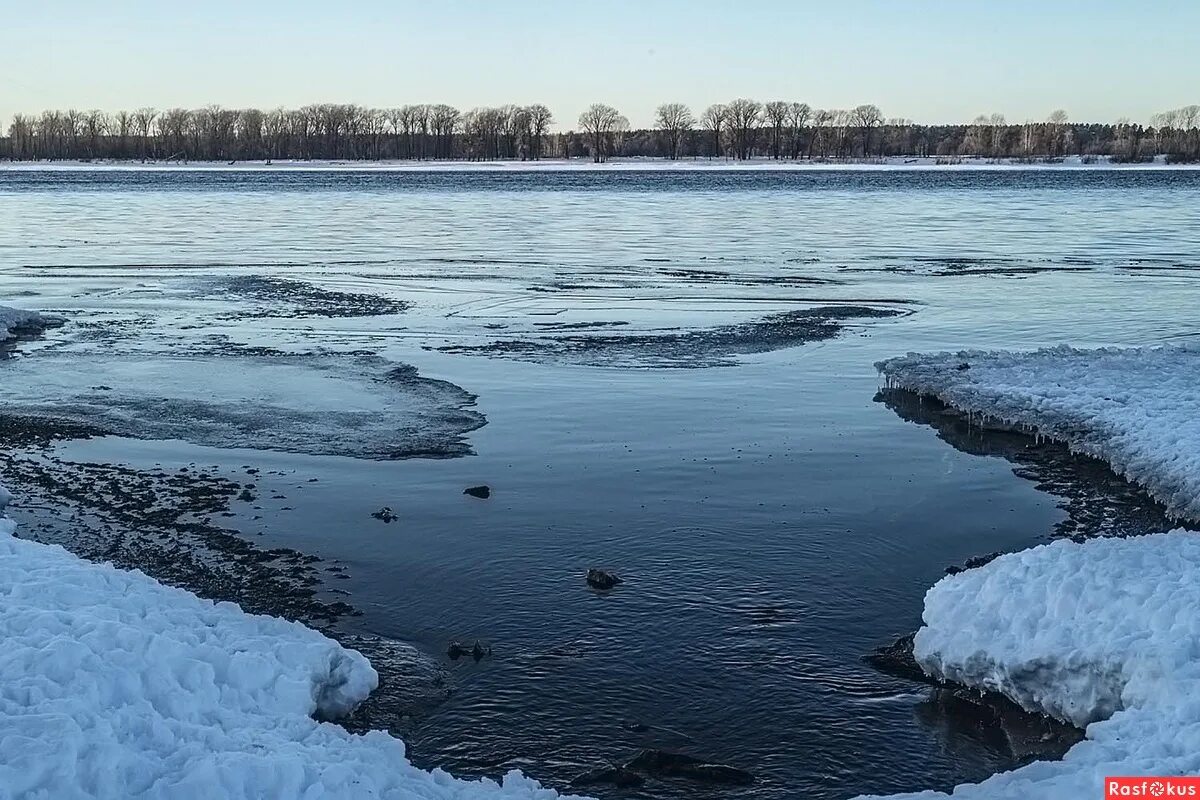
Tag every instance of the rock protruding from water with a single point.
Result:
(482, 492)
(972, 563)
(477, 651)
(385, 514)
(602, 579)
(897, 659)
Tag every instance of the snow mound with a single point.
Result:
(116, 686)
(1104, 634)
(1138, 409)
(15, 322)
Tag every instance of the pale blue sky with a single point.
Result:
(929, 61)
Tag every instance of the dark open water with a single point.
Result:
(772, 518)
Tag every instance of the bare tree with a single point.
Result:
(822, 134)
(867, 117)
(674, 120)
(144, 118)
(1056, 125)
(540, 120)
(776, 113)
(797, 116)
(599, 122)
(744, 117)
(713, 119)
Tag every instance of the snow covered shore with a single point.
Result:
(1103, 634)
(116, 686)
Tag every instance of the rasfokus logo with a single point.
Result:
(1151, 787)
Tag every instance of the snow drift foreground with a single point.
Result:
(1104, 634)
(1138, 409)
(116, 686)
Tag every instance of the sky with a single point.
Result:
(920, 59)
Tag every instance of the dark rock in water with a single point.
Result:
(385, 514)
(482, 492)
(618, 776)
(963, 367)
(897, 659)
(247, 496)
(676, 765)
(477, 651)
(602, 579)
(972, 563)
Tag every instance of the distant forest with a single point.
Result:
(740, 129)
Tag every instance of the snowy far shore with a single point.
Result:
(116, 686)
(1102, 634)
(892, 163)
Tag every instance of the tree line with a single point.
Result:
(739, 129)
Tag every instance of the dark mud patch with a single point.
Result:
(284, 298)
(169, 524)
(1096, 501)
(694, 349)
(165, 523)
(106, 331)
(357, 405)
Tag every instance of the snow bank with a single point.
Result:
(14, 322)
(1104, 634)
(116, 686)
(1138, 409)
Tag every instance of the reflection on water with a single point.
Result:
(772, 522)
(1096, 500)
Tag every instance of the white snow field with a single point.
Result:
(116, 686)
(1103, 634)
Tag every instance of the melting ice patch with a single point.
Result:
(15, 322)
(1104, 634)
(1138, 409)
(116, 686)
(320, 404)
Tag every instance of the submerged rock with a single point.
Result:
(676, 765)
(482, 492)
(602, 579)
(620, 777)
(477, 651)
